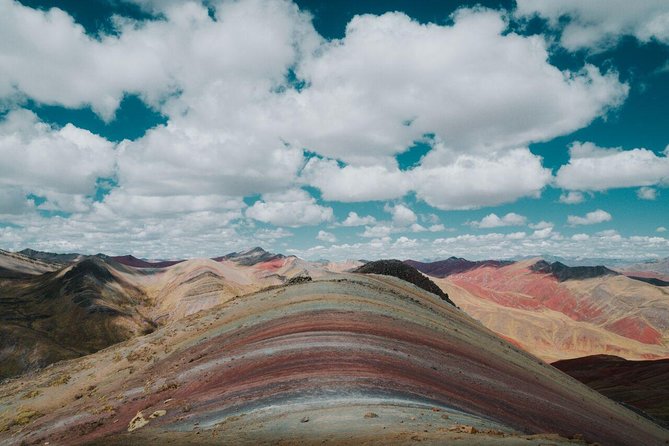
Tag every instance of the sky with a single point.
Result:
(335, 130)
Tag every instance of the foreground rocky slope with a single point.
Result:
(349, 359)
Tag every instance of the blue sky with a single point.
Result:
(348, 129)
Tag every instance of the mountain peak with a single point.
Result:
(563, 272)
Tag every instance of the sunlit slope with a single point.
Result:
(554, 319)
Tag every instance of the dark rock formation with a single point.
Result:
(401, 270)
(129, 260)
(563, 272)
(453, 265)
(250, 257)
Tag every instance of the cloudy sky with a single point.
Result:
(348, 129)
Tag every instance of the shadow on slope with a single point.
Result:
(65, 314)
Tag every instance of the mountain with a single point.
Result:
(51, 256)
(405, 272)
(453, 265)
(67, 313)
(14, 265)
(348, 359)
(251, 257)
(50, 312)
(129, 260)
(563, 272)
(657, 269)
(560, 313)
(643, 385)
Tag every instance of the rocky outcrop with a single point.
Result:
(453, 265)
(250, 257)
(405, 272)
(563, 272)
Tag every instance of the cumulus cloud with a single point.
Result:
(541, 225)
(543, 233)
(591, 218)
(599, 24)
(237, 124)
(572, 197)
(474, 86)
(402, 216)
(469, 182)
(493, 221)
(595, 168)
(292, 208)
(60, 165)
(326, 237)
(356, 183)
(353, 219)
(647, 193)
(661, 229)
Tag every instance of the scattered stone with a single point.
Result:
(137, 422)
(158, 413)
(305, 419)
(444, 417)
(464, 429)
(299, 279)
(371, 415)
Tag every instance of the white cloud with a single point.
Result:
(591, 218)
(572, 197)
(580, 237)
(596, 168)
(356, 183)
(493, 221)
(292, 208)
(270, 235)
(326, 237)
(353, 219)
(647, 193)
(495, 246)
(599, 24)
(377, 231)
(476, 87)
(61, 165)
(541, 225)
(469, 182)
(516, 235)
(402, 216)
(436, 228)
(609, 234)
(661, 229)
(53, 61)
(543, 233)
(237, 127)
